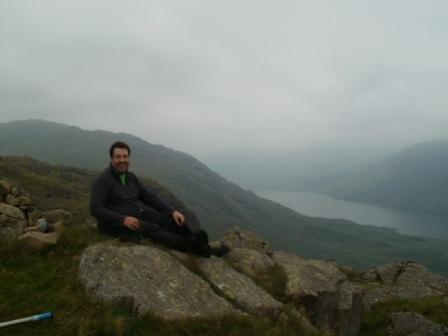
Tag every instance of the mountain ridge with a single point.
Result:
(413, 178)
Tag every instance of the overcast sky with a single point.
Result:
(205, 76)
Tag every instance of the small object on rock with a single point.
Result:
(36, 241)
(42, 224)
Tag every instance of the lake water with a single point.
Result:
(416, 223)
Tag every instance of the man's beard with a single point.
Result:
(122, 167)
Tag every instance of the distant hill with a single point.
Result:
(218, 203)
(299, 170)
(414, 178)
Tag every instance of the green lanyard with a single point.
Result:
(123, 179)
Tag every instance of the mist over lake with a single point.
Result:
(411, 222)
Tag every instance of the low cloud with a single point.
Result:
(206, 76)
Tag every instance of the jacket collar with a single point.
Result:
(114, 172)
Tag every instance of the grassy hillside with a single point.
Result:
(47, 281)
(343, 241)
(414, 178)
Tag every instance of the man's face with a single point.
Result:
(120, 160)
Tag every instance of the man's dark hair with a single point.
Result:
(118, 144)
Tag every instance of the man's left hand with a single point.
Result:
(178, 218)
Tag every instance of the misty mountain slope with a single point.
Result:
(300, 170)
(414, 178)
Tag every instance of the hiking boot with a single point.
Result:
(202, 251)
(201, 238)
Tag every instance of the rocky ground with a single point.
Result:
(147, 278)
(251, 280)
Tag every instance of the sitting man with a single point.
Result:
(116, 202)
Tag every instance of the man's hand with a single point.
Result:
(131, 223)
(178, 218)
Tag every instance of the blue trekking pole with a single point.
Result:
(38, 317)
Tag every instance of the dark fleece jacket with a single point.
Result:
(111, 201)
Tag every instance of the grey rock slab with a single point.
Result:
(239, 288)
(375, 295)
(405, 273)
(57, 215)
(11, 211)
(413, 274)
(249, 262)
(307, 277)
(240, 238)
(406, 323)
(37, 241)
(150, 280)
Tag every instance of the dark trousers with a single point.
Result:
(162, 230)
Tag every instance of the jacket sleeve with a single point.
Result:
(151, 200)
(98, 200)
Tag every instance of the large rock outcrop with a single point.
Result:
(149, 280)
(19, 219)
(174, 285)
(14, 203)
(412, 324)
(403, 279)
(329, 298)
